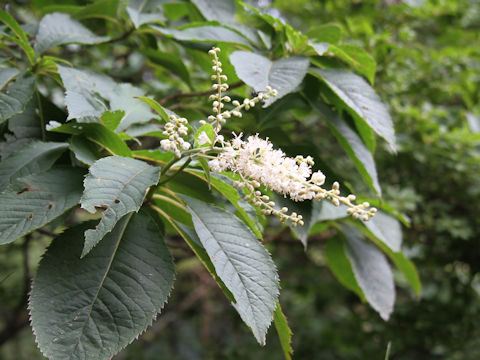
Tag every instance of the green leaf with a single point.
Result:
(169, 61)
(15, 97)
(224, 186)
(118, 185)
(408, 269)
(27, 124)
(6, 75)
(387, 229)
(283, 331)
(111, 119)
(360, 100)
(58, 29)
(145, 11)
(361, 61)
(154, 155)
(91, 308)
(352, 144)
(83, 89)
(242, 263)
(283, 75)
(372, 272)
(97, 133)
(8, 20)
(338, 262)
(88, 93)
(32, 158)
(216, 10)
(325, 210)
(84, 150)
(320, 48)
(33, 201)
(328, 33)
(205, 33)
(159, 109)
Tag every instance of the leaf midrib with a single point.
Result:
(101, 283)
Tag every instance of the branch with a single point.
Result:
(180, 94)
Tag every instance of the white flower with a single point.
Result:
(203, 139)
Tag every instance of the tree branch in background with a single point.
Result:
(180, 94)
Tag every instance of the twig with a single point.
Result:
(181, 94)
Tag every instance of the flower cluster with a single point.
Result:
(218, 99)
(175, 129)
(258, 163)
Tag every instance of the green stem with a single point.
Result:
(168, 178)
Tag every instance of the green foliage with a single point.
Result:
(96, 95)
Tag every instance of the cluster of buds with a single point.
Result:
(258, 163)
(175, 129)
(220, 115)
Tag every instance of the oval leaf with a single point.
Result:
(92, 308)
(118, 185)
(283, 75)
(57, 29)
(242, 263)
(372, 272)
(360, 100)
(35, 200)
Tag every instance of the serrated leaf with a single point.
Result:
(283, 75)
(360, 100)
(145, 11)
(91, 308)
(96, 133)
(33, 201)
(15, 97)
(361, 61)
(205, 33)
(32, 158)
(284, 332)
(387, 229)
(89, 95)
(118, 185)
(338, 262)
(224, 186)
(58, 29)
(372, 272)
(242, 263)
(354, 147)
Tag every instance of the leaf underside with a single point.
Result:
(242, 263)
(118, 185)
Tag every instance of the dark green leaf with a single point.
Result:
(33, 201)
(372, 272)
(338, 262)
(283, 75)
(26, 124)
(357, 58)
(91, 308)
(32, 158)
(118, 185)
(97, 133)
(360, 100)
(205, 33)
(216, 10)
(6, 75)
(283, 331)
(169, 61)
(15, 97)
(58, 29)
(242, 263)
(111, 119)
(84, 150)
(329, 33)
